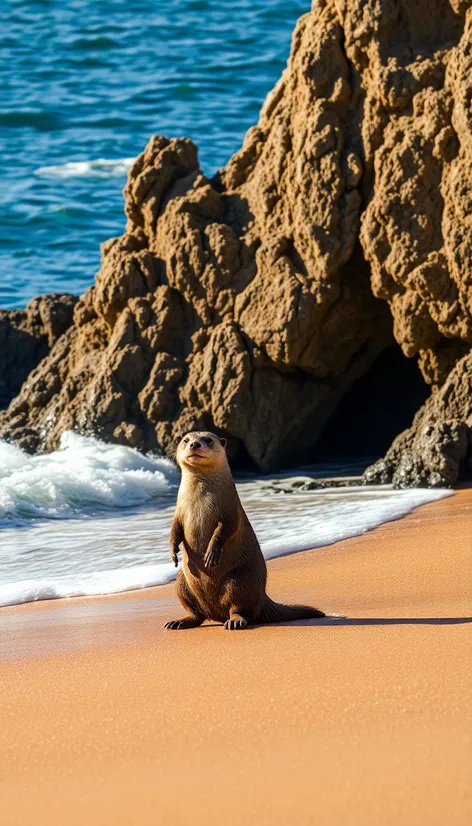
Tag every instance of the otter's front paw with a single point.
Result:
(212, 557)
(174, 625)
(185, 622)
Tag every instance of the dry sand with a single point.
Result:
(107, 719)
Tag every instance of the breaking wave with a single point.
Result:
(83, 473)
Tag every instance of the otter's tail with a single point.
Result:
(275, 612)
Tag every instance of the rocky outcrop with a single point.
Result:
(26, 337)
(416, 226)
(415, 231)
(437, 448)
(241, 303)
(251, 302)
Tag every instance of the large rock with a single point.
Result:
(415, 230)
(437, 448)
(26, 337)
(250, 303)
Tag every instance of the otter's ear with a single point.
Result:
(223, 441)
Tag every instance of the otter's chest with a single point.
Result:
(200, 518)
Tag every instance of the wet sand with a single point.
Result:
(107, 719)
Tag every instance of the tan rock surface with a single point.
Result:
(26, 336)
(251, 302)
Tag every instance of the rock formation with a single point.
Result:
(26, 337)
(251, 302)
(438, 445)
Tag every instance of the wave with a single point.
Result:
(83, 473)
(99, 168)
(345, 513)
(99, 42)
(95, 584)
(120, 550)
(42, 120)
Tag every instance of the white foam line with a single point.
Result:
(361, 520)
(98, 168)
(106, 582)
(398, 504)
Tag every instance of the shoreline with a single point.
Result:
(362, 719)
(54, 557)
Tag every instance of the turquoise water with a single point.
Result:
(84, 81)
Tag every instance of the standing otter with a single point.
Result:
(224, 573)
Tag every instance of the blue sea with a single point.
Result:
(84, 84)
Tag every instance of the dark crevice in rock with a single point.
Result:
(378, 406)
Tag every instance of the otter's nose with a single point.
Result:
(195, 445)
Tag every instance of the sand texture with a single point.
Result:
(108, 719)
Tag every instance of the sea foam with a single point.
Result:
(83, 473)
(103, 582)
(94, 518)
(98, 168)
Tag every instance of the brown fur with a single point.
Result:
(224, 573)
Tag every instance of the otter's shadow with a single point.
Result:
(335, 622)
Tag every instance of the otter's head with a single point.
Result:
(201, 449)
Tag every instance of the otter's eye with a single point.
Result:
(207, 440)
(185, 441)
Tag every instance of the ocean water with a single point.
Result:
(93, 518)
(83, 85)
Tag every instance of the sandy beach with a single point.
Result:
(236, 247)
(108, 719)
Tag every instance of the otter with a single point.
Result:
(224, 573)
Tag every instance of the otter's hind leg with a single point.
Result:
(236, 622)
(239, 597)
(194, 618)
